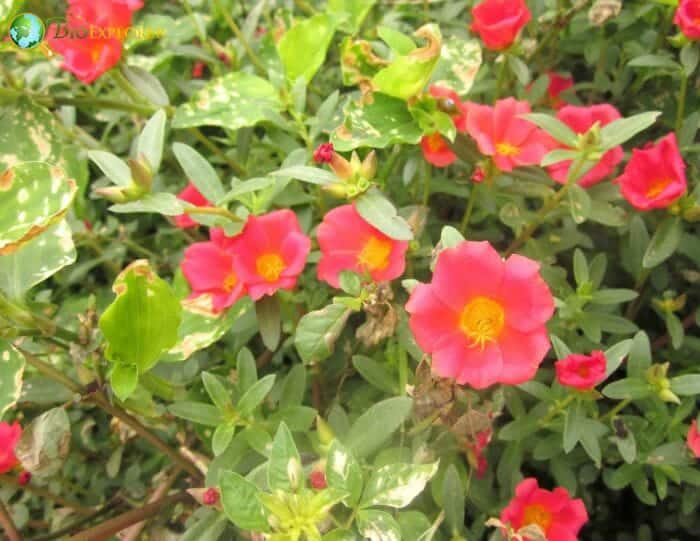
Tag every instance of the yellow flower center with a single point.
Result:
(657, 186)
(230, 282)
(482, 321)
(506, 149)
(270, 266)
(436, 142)
(375, 254)
(537, 514)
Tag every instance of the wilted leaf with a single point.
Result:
(11, 370)
(318, 331)
(45, 443)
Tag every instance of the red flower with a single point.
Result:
(9, 436)
(192, 195)
(582, 372)
(482, 318)
(509, 140)
(317, 480)
(348, 242)
(655, 176)
(498, 21)
(209, 269)
(687, 18)
(324, 153)
(558, 515)
(270, 252)
(580, 120)
(436, 150)
(694, 439)
(91, 40)
(558, 84)
(210, 496)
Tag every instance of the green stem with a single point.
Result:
(216, 211)
(237, 168)
(42, 493)
(681, 103)
(125, 85)
(501, 76)
(54, 101)
(634, 306)
(614, 411)
(426, 183)
(388, 166)
(25, 318)
(464, 226)
(259, 67)
(8, 524)
(557, 409)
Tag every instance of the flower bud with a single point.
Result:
(24, 478)
(324, 153)
(317, 480)
(369, 166)
(341, 167)
(210, 496)
(325, 432)
(604, 10)
(141, 173)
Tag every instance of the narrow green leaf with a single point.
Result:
(664, 242)
(554, 127)
(217, 392)
(267, 311)
(284, 469)
(124, 379)
(254, 396)
(114, 168)
(374, 207)
(196, 412)
(374, 427)
(199, 171)
(624, 129)
(453, 500)
(318, 331)
(151, 140)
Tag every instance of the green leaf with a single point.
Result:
(579, 203)
(284, 470)
(374, 207)
(312, 175)
(554, 127)
(254, 396)
(150, 142)
(35, 196)
(375, 374)
(196, 412)
(45, 443)
(613, 296)
(222, 437)
(627, 447)
(267, 311)
(675, 330)
(239, 498)
(664, 242)
(520, 69)
(397, 41)
(340, 534)
(114, 168)
(640, 355)
(217, 392)
(574, 423)
(616, 354)
(623, 129)
(687, 385)
(632, 388)
(318, 331)
(690, 55)
(142, 322)
(147, 85)
(11, 371)
(408, 75)
(378, 526)
(294, 387)
(374, 427)
(351, 13)
(247, 370)
(560, 348)
(350, 282)
(450, 237)
(343, 472)
(303, 47)
(654, 61)
(382, 122)
(558, 155)
(199, 171)
(233, 101)
(37, 260)
(453, 500)
(396, 485)
(161, 203)
(124, 379)
(580, 267)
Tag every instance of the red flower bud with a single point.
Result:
(24, 478)
(324, 153)
(210, 496)
(478, 175)
(198, 70)
(317, 479)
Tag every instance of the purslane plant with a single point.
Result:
(349, 270)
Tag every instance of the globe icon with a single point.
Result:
(27, 30)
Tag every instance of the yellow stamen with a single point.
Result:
(482, 321)
(230, 282)
(657, 186)
(539, 515)
(270, 266)
(375, 254)
(506, 149)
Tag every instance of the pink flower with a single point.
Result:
(324, 153)
(580, 120)
(558, 515)
(436, 150)
(655, 176)
(482, 318)
(348, 242)
(582, 372)
(498, 21)
(9, 436)
(192, 195)
(91, 39)
(209, 269)
(687, 18)
(694, 439)
(558, 84)
(271, 252)
(509, 140)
